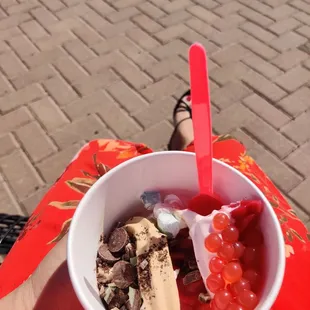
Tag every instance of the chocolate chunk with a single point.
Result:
(144, 264)
(106, 255)
(150, 199)
(192, 264)
(126, 257)
(204, 298)
(134, 301)
(101, 291)
(124, 274)
(118, 300)
(191, 277)
(108, 294)
(118, 240)
(130, 250)
(104, 274)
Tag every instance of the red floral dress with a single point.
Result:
(51, 219)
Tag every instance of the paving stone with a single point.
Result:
(174, 18)
(21, 97)
(123, 14)
(259, 48)
(35, 75)
(255, 17)
(266, 111)
(44, 16)
(297, 102)
(151, 10)
(143, 59)
(230, 93)
(52, 167)
(15, 119)
(22, 46)
(253, 148)
(287, 41)
(261, 66)
(8, 144)
(165, 87)
(263, 86)
(176, 47)
(79, 51)
(45, 57)
(33, 30)
(176, 5)
(257, 32)
(293, 79)
(170, 33)
(156, 136)
(60, 90)
(283, 177)
(70, 70)
(48, 113)
(142, 39)
(300, 160)
(289, 59)
(168, 66)
(231, 118)
(228, 22)
(283, 26)
(21, 175)
(111, 113)
(90, 84)
(228, 8)
(5, 86)
(203, 14)
(298, 129)
(8, 203)
(87, 128)
(231, 72)
(11, 65)
(270, 137)
(127, 97)
(155, 112)
(43, 146)
(302, 16)
(87, 35)
(232, 53)
(201, 27)
(114, 43)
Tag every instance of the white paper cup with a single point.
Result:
(116, 196)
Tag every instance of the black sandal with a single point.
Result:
(10, 228)
(181, 106)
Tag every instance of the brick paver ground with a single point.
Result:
(76, 70)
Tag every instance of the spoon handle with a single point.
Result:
(201, 110)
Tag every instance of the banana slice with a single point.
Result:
(156, 277)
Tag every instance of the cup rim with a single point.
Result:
(70, 259)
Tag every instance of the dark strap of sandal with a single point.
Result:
(182, 106)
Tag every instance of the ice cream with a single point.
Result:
(199, 228)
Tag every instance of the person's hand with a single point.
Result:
(48, 288)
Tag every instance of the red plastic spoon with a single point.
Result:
(206, 201)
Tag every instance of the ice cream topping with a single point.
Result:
(178, 259)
